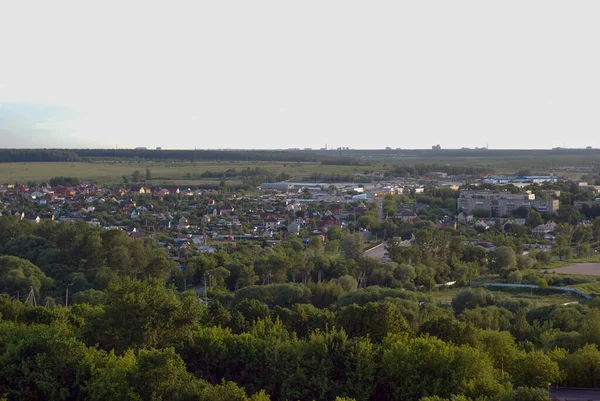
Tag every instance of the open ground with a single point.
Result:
(587, 269)
(163, 172)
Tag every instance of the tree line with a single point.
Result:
(78, 155)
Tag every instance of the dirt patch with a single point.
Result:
(588, 269)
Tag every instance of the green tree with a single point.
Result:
(19, 275)
(144, 314)
(41, 362)
(535, 369)
(533, 219)
(583, 367)
(501, 348)
(352, 246)
(503, 258)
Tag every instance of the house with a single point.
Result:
(293, 227)
(139, 190)
(406, 215)
(464, 218)
(47, 216)
(335, 208)
(361, 209)
(482, 225)
(65, 192)
(544, 229)
(183, 223)
(161, 193)
(21, 189)
(225, 210)
(120, 192)
(138, 235)
(32, 216)
(166, 224)
(328, 221)
(271, 223)
(186, 191)
(49, 197)
(444, 224)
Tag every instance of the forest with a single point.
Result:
(91, 314)
(75, 155)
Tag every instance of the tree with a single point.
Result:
(564, 237)
(334, 233)
(583, 367)
(148, 174)
(501, 348)
(352, 246)
(515, 277)
(41, 362)
(581, 236)
(414, 368)
(136, 175)
(527, 394)
(535, 369)
(144, 314)
(503, 258)
(315, 243)
(19, 275)
(596, 230)
(470, 299)
(533, 219)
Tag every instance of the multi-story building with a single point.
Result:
(502, 203)
(590, 204)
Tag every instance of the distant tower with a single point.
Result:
(326, 146)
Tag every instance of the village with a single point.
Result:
(189, 221)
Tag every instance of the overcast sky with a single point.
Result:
(280, 74)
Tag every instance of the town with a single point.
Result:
(191, 220)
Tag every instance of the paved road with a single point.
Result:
(575, 395)
(377, 252)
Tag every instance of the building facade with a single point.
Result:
(503, 203)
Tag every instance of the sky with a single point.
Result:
(283, 74)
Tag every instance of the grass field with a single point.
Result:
(175, 173)
(446, 295)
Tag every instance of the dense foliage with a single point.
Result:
(283, 323)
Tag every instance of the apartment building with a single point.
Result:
(501, 203)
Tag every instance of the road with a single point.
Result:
(377, 252)
(564, 394)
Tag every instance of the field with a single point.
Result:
(446, 295)
(587, 269)
(163, 172)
